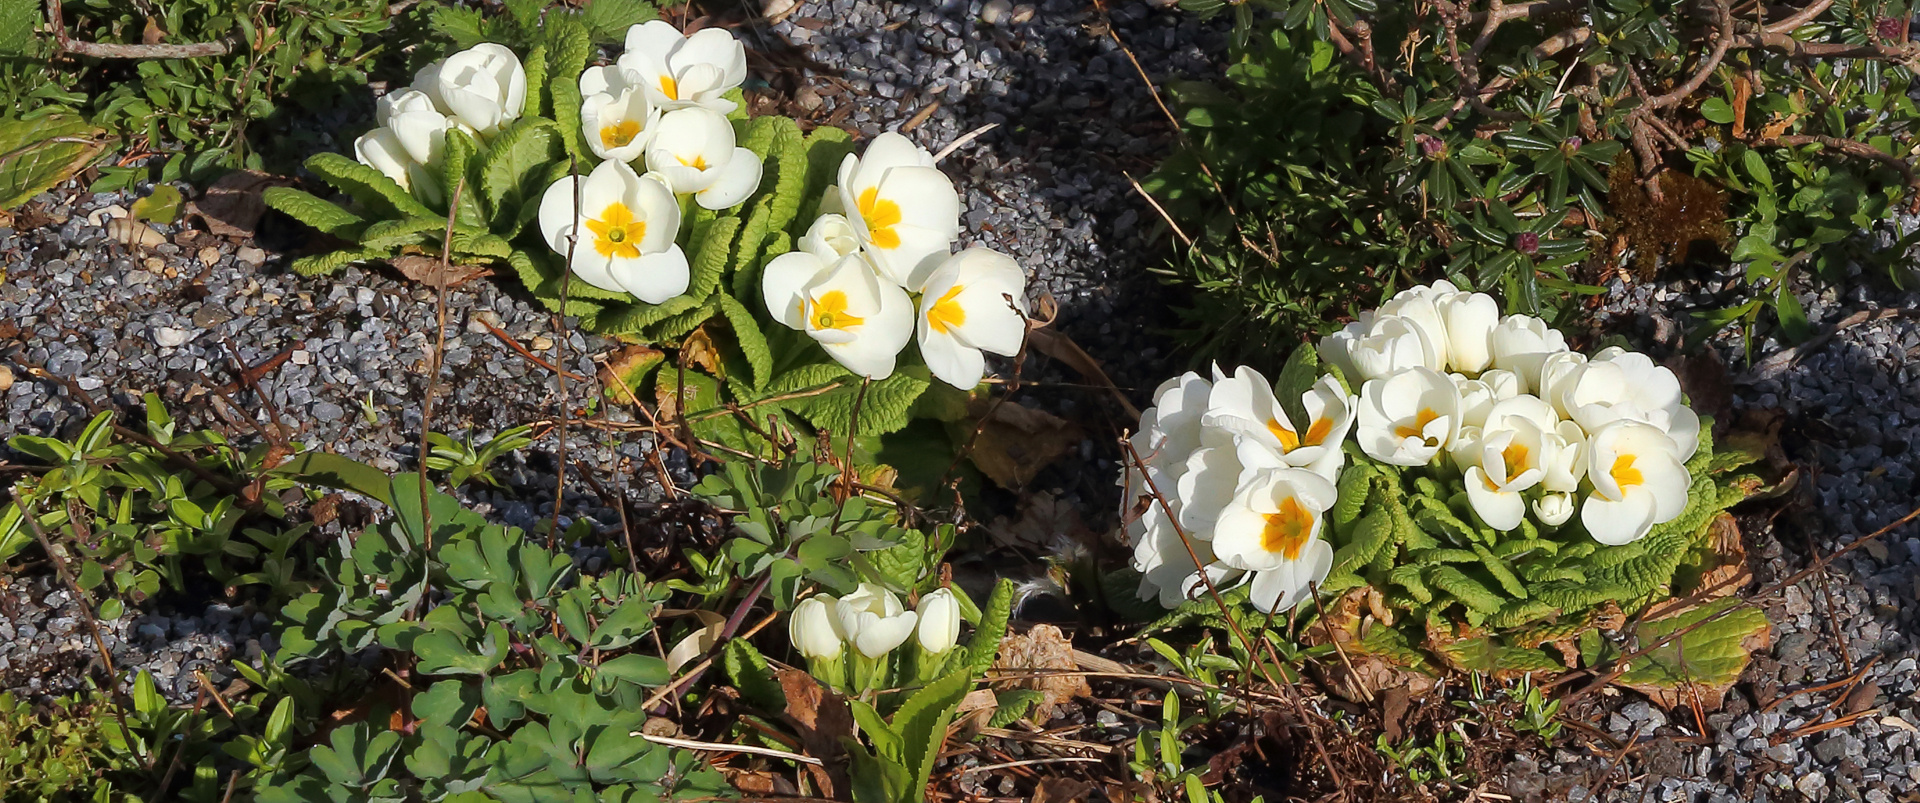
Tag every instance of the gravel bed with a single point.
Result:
(121, 322)
(1850, 417)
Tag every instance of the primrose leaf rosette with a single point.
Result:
(1470, 475)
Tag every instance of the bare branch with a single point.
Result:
(113, 51)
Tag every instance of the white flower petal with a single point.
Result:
(737, 180)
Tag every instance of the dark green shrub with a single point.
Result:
(1355, 142)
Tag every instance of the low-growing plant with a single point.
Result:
(465, 462)
(1492, 519)
(1535, 148)
(490, 618)
(139, 512)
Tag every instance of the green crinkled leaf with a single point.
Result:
(37, 154)
(778, 142)
(1501, 574)
(1442, 555)
(746, 332)
(513, 171)
(534, 64)
(985, 646)
(1572, 596)
(1012, 706)
(922, 724)
(1486, 654)
(1356, 484)
(1412, 577)
(1472, 593)
(709, 261)
(541, 272)
(467, 242)
(1520, 612)
(372, 189)
(887, 407)
(826, 148)
(327, 217)
(323, 264)
(1337, 584)
(607, 21)
(1368, 538)
(392, 234)
(457, 176)
(677, 326)
(746, 278)
(1713, 655)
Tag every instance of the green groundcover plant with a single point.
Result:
(787, 273)
(1494, 495)
(1533, 148)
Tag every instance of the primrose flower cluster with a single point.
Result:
(658, 119)
(1498, 407)
(877, 266)
(477, 91)
(874, 623)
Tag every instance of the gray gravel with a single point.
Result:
(121, 322)
(1851, 407)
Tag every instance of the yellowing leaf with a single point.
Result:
(37, 154)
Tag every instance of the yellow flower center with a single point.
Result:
(946, 312)
(620, 134)
(698, 162)
(1289, 440)
(1288, 530)
(881, 216)
(830, 312)
(669, 87)
(1624, 474)
(1418, 428)
(1515, 456)
(616, 233)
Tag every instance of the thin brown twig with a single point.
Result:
(115, 51)
(1722, 39)
(560, 359)
(524, 352)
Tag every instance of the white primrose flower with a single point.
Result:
(939, 621)
(1170, 429)
(1556, 373)
(1375, 346)
(483, 87)
(1637, 482)
(1272, 528)
(1501, 463)
(1569, 462)
(1407, 418)
(905, 210)
(1554, 509)
(1620, 385)
(1206, 486)
(1469, 319)
(1245, 405)
(382, 150)
(976, 301)
(1523, 407)
(1168, 573)
(616, 119)
(861, 321)
(873, 620)
(1420, 307)
(814, 629)
(678, 71)
(419, 125)
(625, 228)
(1477, 396)
(830, 237)
(693, 148)
(1521, 343)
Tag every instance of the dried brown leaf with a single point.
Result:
(1016, 442)
(821, 717)
(232, 207)
(429, 271)
(1042, 648)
